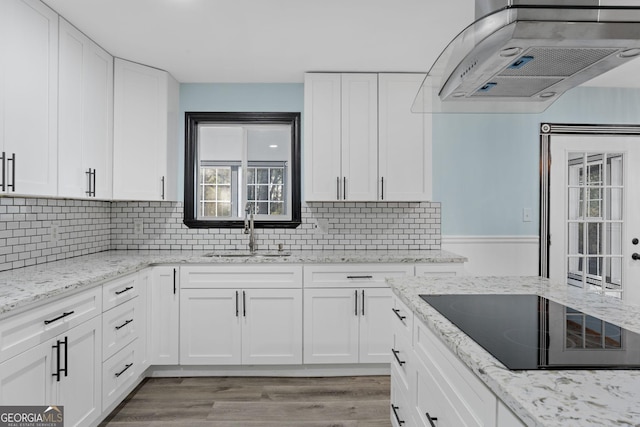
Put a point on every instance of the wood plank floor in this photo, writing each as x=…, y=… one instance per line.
x=256, y=401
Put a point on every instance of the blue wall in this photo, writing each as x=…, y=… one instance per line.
x=485, y=166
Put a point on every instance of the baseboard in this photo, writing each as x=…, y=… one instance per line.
x=270, y=371
x=496, y=255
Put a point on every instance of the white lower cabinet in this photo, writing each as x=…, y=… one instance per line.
x=346, y=312
x=65, y=370
x=164, y=318
x=253, y=323
x=432, y=387
x=347, y=325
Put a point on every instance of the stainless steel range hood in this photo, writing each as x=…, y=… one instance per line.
x=521, y=56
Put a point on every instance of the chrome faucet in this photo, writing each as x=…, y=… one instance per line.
x=249, y=227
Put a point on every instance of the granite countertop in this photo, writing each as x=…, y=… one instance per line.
x=26, y=287
x=538, y=397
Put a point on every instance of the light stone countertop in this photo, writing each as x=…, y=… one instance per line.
x=28, y=287
x=538, y=397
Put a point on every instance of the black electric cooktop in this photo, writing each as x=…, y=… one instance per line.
x=533, y=332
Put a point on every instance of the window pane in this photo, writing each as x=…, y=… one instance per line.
x=614, y=172
x=224, y=175
x=593, y=333
x=613, y=336
x=574, y=334
x=575, y=240
x=209, y=175
x=263, y=192
x=262, y=208
x=263, y=175
x=209, y=193
x=594, y=170
x=224, y=193
x=251, y=175
x=576, y=203
x=594, y=204
x=594, y=238
x=614, y=203
x=276, y=208
x=224, y=209
x=276, y=175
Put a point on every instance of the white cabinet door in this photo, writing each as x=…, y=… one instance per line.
x=164, y=316
x=404, y=140
x=359, y=137
x=210, y=327
x=29, y=93
x=322, y=134
x=98, y=119
x=144, y=142
x=28, y=378
x=341, y=136
x=80, y=387
x=25, y=379
x=272, y=326
x=331, y=326
x=85, y=116
x=376, y=338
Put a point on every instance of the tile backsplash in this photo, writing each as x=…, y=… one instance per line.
x=38, y=230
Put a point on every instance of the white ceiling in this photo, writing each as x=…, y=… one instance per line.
x=270, y=41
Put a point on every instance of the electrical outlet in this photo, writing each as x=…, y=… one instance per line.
x=321, y=226
x=526, y=215
x=54, y=233
x=138, y=227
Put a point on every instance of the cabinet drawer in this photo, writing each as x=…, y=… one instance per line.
x=118, y=373
x=25, y=330
x=241, y=276
x=475, y=404
x=400, y=409
x=402, y=364
x=401, y=320
x=119, y=290
x=354, y=275
x=443, y=269
x=119, y=327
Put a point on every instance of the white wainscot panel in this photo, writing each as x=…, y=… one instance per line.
x=496, y=255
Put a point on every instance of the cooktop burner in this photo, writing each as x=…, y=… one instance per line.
x=533, y=332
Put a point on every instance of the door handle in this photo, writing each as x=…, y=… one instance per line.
x=635, y=256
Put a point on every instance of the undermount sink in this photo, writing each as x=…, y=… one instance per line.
x=248, y=254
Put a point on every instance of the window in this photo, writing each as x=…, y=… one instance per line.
x=242, y=162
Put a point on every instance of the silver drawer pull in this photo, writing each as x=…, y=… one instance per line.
x=124, y=324
x=128, y=288
x=63, y=315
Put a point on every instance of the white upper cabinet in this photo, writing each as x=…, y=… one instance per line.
x=362, y=142
x=404, y=140
x=359, y=136
x=145, y=133
x=85, y=116
x=28, y=97
x=322, y=135
x=341, y=136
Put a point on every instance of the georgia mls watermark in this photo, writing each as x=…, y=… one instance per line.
x=31, y=416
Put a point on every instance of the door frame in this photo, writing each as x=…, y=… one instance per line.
x=547, y=131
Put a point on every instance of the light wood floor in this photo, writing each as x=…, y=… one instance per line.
x=256, y=401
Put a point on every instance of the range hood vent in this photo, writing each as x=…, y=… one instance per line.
x=522, y=57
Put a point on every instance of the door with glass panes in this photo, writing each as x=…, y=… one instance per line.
x=594, y=210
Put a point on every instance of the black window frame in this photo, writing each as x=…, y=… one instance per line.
x=194, y=119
